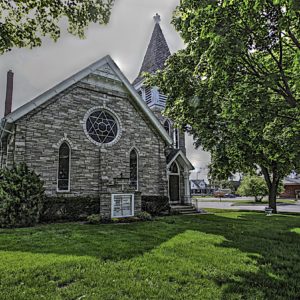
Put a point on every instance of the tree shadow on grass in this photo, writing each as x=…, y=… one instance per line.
x=269, y=241
x=275, y=249
x=106, y=241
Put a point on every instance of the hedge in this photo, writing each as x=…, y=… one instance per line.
x=69, y=208
x=155, y=205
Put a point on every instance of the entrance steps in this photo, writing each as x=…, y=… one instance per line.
x=184, y=209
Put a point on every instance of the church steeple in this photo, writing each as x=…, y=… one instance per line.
x=156, y=55
x=157, y=52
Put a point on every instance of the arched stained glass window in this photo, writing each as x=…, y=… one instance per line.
x=167, y=126
x=134, y=169
x=63, y=180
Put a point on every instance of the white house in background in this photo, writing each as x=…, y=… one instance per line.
x=200, y=187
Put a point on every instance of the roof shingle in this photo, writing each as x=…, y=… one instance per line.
x=157, y=53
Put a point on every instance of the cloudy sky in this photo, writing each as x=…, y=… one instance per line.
x=125, y=38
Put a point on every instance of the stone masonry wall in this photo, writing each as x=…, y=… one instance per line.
x=162, y=120
x=40, y=133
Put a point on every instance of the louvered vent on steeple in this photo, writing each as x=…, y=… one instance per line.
x=148, y=95
x=162, y=99
x=154, y=60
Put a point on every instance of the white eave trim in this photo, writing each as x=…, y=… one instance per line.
x=43, y=98
x=140, y=101
x=186, y=161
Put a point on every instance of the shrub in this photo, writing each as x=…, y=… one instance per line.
x=174, y=212
x=253, y=186
x=93, y=219
x=69, y=208
x=97, y=219
x=125, y=220
x=21, y=197
x=144, y=216
x=155, y=205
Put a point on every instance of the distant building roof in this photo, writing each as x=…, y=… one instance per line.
x=157, y=53
x=199, y=183
x=291, y=181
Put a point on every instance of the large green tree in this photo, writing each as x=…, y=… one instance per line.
x=237, y=83
x=23, y=23
x=253, y=186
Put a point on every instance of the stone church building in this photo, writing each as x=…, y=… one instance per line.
x=97, y=135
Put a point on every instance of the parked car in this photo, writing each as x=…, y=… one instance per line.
x=229, y=195
x=221, y=193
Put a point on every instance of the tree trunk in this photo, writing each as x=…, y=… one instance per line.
x=272, y=187
x=272, y=196
x=258, y=198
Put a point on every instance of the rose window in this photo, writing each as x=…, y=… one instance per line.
x=101, y=127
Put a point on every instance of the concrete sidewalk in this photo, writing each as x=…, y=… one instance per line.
x=229, y=205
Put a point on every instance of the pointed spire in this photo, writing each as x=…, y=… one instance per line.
x=157, y=18
x=157, y=53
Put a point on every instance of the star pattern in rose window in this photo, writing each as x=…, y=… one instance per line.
x=102, y=127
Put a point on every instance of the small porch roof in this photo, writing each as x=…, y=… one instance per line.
x=178, y=156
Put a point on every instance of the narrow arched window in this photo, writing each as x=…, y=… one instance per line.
x=141, y=93
x=176, y=138
x=134, y=169
x=63, y=179
x=174, y=168
x=167, y=126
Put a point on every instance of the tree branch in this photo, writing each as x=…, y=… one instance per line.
x=266, y=176
x=294, y=39
x=288, y=95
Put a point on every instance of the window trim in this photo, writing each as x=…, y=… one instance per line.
x=169, y=126
x=113, y=206
x=118, y=122
x=137, y=166
x=142, y=90
x=70, y=158
x=176, y=137
x=179, y=180
x=178, y=169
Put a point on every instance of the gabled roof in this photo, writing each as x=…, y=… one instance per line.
x=157, y=53
x=174, y=154
x=43, y=98
x=171, y=155
x=291, y=181
x=197, y=182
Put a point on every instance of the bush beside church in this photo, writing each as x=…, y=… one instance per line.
x=23, y=203
x=21, y=197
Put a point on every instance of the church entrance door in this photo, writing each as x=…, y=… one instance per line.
x=174, y=188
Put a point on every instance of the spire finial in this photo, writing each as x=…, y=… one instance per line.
x=157, y=18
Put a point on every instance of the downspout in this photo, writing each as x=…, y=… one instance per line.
x=100, y=182
x=3, y=130
x=2, y=126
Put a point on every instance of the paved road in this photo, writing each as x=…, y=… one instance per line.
x=283, y=207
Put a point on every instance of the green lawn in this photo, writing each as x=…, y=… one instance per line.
x=229, y=255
